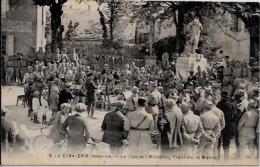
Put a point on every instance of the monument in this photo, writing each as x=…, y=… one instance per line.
x=189, y=60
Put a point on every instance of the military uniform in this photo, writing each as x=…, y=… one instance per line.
x=246, y=130
x=228, y=71
x=240, y=109
x=211, y=126
x=139, y=139
x=228, y=89
x=115, y=127
x=228, y=131
x=246, y=72
x=154, y=100
x=236, y=75
x=131, y=103
x=221, y=117
x=192, y=130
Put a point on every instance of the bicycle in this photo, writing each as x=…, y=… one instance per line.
x=43, y=143
x=61, y=147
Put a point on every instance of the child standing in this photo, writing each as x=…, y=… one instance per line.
x=36, y=106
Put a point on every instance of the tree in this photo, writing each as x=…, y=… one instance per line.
x=149, y=12
x=102, y=20
x=56, y=27
x=113, y=12
x=71, y=32
x=180, y=12
x=249, y=13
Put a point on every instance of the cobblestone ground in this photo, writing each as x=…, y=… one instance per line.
x=18, y=114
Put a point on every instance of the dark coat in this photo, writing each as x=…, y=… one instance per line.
x=113, y=127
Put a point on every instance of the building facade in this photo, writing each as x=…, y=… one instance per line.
x=22, y=27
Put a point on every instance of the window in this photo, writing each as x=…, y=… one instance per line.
x=236, y=24
x=3, y=44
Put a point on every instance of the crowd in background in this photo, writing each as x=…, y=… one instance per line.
x=154, y=105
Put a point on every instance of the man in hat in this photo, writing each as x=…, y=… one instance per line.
x=29, y=75
x=192, y=130
x=246, y=128
x=236, y=73
x=241, y=104
x=246, y=71
x=173, y=140
x=91, y=88
x=219, y=113
x=226, y=105
x=228, y=71
x=65, y=95
x=115, y=127
x=212, y=129
x=154, y=100
x=141, y=126
x=227, y=87
x=76, y=129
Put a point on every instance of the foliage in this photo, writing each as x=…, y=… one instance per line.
x=56, y=27
x=102, y=20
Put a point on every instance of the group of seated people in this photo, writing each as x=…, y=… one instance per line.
x=153, y=106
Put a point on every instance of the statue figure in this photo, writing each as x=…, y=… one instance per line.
x=165, y=60
x=75, y=57
x=193, y=34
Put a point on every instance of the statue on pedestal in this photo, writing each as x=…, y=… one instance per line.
x=193, y=35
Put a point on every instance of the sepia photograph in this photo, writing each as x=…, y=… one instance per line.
x=130, y=83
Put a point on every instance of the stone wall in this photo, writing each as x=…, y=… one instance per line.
x=232, y=42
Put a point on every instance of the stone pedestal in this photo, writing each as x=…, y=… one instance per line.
x=190, y=62
x=150, y=60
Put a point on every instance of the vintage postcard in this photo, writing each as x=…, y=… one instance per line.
x=120, y=82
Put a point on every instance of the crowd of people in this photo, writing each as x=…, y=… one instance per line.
x=154, y=108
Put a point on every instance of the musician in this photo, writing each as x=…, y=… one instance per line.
x=91, y=87
x=66, y=94
x=108, y=81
